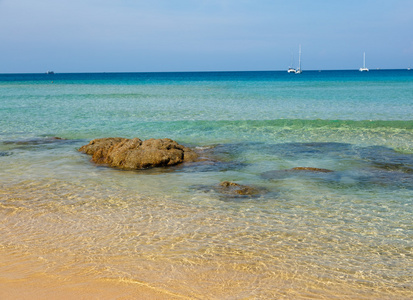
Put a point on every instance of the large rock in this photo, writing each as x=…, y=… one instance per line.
x=132, y=154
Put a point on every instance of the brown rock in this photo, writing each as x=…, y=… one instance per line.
x=312, y=169
x=227, y=187
x=136, y=154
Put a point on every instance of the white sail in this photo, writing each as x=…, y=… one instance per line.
x=364, y=69
x=299, y=61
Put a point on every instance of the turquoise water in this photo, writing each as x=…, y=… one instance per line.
x=342, y=234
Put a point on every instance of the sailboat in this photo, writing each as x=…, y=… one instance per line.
x=291, y=69
x=364, y=69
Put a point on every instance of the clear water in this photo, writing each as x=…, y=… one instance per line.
x=343, y=234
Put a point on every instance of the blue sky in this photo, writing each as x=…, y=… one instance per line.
x=201, y=35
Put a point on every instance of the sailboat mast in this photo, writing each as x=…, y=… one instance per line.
x=364, y=69
x=364, y=60
x=299, y=58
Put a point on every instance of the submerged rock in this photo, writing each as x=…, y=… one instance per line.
x=229, y=191
x=5, y=153
x=35, y=141
x=232, y=188
x=132, y=154
x=297, y=171
x=311, y=169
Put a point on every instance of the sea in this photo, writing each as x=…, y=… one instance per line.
x=343, y=230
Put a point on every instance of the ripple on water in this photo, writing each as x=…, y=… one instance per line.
x=206, y=247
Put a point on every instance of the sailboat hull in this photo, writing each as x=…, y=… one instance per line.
x=296, y=71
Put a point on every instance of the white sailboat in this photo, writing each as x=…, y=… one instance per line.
x=364, y=69
x=291, y=69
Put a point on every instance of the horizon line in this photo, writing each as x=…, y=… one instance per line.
x=210, y=71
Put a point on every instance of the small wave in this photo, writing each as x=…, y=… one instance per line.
x=297, y=123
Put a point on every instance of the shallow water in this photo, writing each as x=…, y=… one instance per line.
x=342, y=234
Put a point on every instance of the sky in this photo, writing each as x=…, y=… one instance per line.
x=203, y=35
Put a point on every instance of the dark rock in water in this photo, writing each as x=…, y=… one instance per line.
x=387, y=159
x=313, y=150
x=310, y=169
x=5, y=153
x=369, y=166
x=228, y=190
x=35, y=141
x=209, y=165
x=379, y=177
x=133, y=154
x=232, y=188
x=297, y=171
x=364, y=177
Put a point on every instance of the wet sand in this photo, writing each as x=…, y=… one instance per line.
x=44, y=287
x=23, y=280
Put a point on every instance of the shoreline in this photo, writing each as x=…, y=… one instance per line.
x=22, y=278
x=44, y=287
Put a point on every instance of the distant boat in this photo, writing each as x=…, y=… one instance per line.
x=291, y=69
x=364, y=69
x=49, y=72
